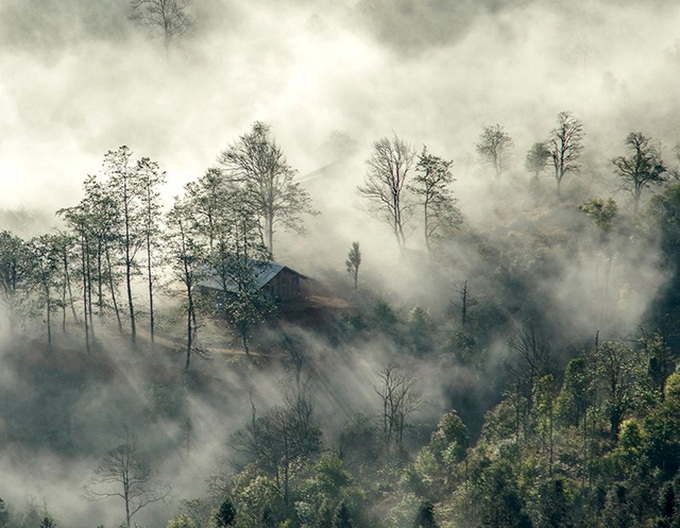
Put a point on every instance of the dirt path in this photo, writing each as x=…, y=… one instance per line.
x=175, y=344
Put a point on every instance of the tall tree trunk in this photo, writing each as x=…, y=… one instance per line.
x=128, y=266
x=88, y=271
x=67, y=276
x=150, y=282
x=84, y=273
x=100, y=282
x=128, y=282
x=112, y=289
x=190, y=329
x=49, y=321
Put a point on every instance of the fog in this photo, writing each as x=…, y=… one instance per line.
x=330, y=77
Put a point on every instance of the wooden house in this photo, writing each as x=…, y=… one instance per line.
x=279, y=283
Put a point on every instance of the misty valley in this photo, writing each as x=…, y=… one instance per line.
x=160, y=368
x=339, y=264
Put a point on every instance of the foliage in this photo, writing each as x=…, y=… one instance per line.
x=353, y=262
x=601, y=212
x=643, y=168
x=225, y=515
x=537, y=158
x=181, y=521
x=431, y=184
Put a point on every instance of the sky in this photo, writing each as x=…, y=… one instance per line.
x=80, y=79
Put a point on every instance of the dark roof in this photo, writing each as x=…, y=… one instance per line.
x=265, y=272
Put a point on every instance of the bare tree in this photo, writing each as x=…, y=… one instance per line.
x=257, y=165
x=165, y=19
x=399, y=400
x=384, y=187
x=278, y=441
x=565, y=145
x=126, y=474
x=643, y=168
x=531, y=360
x=353, y=262
x=493, y=146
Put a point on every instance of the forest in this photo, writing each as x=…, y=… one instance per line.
x=486, y=329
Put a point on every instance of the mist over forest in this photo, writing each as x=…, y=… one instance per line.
x=507, y=357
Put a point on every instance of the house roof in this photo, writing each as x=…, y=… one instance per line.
x=264, y=271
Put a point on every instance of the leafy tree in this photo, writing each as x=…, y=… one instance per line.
x=662, y=430
x=552, y=503
x=431, y=184
x=422, y=331
x=237, y=261
x=661, y=363
x=76, y=218
x=565, y=145
x=545, y=410
x=201, y=510
x=65, y=245
x=493, y=146
x=343, y=518
x=208, y=197
x=643, y=168
x=325, y=493
x=165, y=19
x=501, y=502
x=667, y=506
x=576, y=394
x=101, y=218
x=531, y=361
x=124, y=473
x=257, y=165
x=618, y=370
x=278, y=442
x=360, y=444
x=617, y=510
x=181, y=521
x=15, y=267
x=537, y=158
x=353, y=262
x=187, y=255
x=384, y=189
x=48, y=522
x=448, y=447
x=225, y=515
x=425, y=516
x=124, y=185
x=45, y=265
x=150, y=180
x=601, y=212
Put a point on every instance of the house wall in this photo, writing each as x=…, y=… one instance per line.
x=285, y=286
